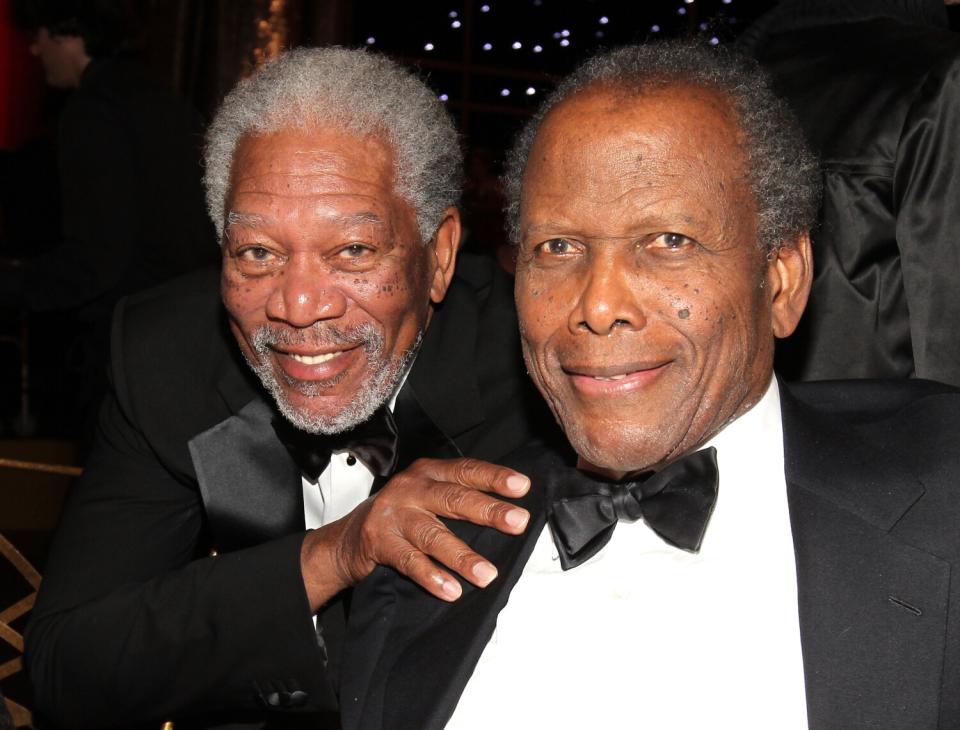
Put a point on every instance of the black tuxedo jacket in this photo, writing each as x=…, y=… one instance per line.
x=872, y=477
x=134, y=623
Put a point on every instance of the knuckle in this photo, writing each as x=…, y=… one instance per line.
x=493, y=510
x=428, y=534
x=422, y=464
x=454, y=499
x=469, y=471
x=463, y=560
x=406, y=560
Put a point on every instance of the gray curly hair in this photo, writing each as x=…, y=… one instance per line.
x=351, y=89
x=783, y=173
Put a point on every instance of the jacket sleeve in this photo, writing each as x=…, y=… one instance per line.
x=927, y=199
x=131, y=627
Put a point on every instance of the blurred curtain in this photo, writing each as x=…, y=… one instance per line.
x=202, y=47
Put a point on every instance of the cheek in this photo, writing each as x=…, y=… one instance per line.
x=539, y=308
x=244, y=298
x=396, y=295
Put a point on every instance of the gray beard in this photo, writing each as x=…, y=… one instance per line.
x=383, y=376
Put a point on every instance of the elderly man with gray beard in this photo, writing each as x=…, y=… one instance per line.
x=203, y=566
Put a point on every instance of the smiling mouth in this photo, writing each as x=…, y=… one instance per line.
x=615, y=380
x=315, y=359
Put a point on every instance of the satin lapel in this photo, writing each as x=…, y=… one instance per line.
x=443, y=376
x=250, y=485
x=872, y=609
x=410, y=655
x=419, y=436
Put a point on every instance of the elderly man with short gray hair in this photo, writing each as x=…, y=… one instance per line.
x=203, y=566
x=793, y=554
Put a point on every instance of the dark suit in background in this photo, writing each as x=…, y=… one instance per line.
x=876, y=87
x=133, y=210
x=872, y=478
x=187, y=459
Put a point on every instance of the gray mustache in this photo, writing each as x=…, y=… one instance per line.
x=318, y=335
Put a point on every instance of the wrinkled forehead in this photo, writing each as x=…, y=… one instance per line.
x=682, y=118
x=679, y=142
x=310, y=152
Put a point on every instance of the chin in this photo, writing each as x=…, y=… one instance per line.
x=618, y=449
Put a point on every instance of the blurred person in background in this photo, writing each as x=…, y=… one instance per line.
x=132, y=203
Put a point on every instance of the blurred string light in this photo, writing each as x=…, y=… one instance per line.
x=562, y=36
x=271, y=32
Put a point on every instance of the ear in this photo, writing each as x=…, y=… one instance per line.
x=789, y=276
x=446, y=242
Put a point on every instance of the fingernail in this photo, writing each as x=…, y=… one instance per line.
x=517, y=518
x=517, y=483
x=451, y=589
x=485, y=572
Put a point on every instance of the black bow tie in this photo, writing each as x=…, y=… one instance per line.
x=373, y=442
x=676, y=502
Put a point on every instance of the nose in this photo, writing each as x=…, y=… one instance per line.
x=305, y=294
x=609, y=297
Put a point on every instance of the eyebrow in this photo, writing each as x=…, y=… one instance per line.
x=244, y=219
x=546, y=226
x=366, y=216
x=235, y=218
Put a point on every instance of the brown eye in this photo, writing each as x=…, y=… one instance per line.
x=556, y=247
x=674, y=240
x=355, y=251
x=257, y=254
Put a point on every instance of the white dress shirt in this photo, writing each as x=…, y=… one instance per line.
x=344, y=484
x=647, y=635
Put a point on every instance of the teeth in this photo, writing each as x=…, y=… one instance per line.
x=612, y=377
x=315, y=359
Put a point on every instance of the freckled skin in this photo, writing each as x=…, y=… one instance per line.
x=648, y=200
x=320, y=237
